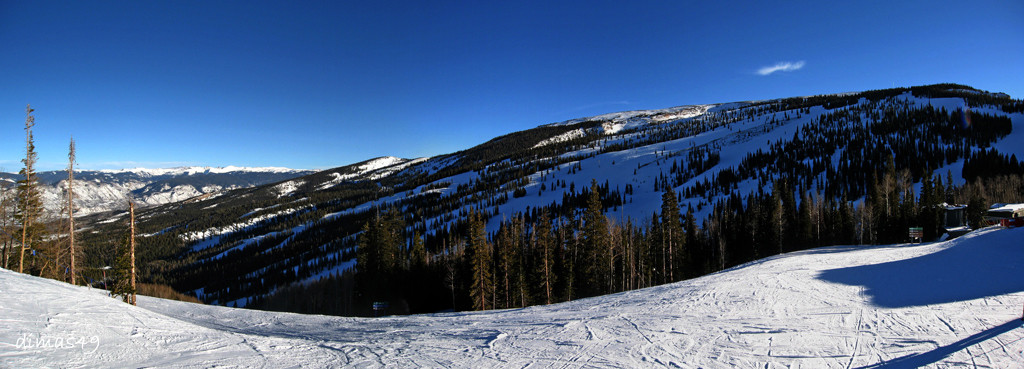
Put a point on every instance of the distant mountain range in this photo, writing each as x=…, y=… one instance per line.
x=105, y=190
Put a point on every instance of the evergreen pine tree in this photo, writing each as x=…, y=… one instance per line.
x=124, y=263
x=908, y=210
x=479, y=250
x=503, y=255
x=597, y=252
x=789, y=228
x=929, y=210
x=417, y=254
x=377, y=255
x=951, y=193
x=847, y=223
x=544, y=241
x=519, y=259
x=699, y=257
x=933, y=218
x=776, y=220
x=875, y=208
x=120, y=285
x=892, y=199
x=657, y=253
x=672, y=233
x=976, y=208
x=804, y=233
x=6, y=224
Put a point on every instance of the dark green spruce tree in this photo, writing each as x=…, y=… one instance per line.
x=672, y=235
x=378, y=255
x=479, y=252
x=598, y=249
x=544, y=244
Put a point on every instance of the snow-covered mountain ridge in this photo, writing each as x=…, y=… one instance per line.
x=177, y=171
x=98, y=191
x=656, y=115
x=948, y=304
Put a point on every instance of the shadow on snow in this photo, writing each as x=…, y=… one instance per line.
x=991, y=264
x=939, y=353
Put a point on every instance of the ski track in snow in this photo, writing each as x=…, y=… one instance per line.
x=823, y=308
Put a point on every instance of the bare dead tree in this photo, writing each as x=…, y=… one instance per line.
x=28, y=193
x=131, y=250
x=5, y=224
x=71, y=206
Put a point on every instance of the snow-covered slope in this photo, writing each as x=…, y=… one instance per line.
x=372, y=169
x=949, y=304
x=659, y=115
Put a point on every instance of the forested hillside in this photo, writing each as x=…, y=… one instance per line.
x=589, y=206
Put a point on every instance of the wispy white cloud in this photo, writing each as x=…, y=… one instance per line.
x=781, y=67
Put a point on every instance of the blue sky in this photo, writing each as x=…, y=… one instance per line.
x=319, y=84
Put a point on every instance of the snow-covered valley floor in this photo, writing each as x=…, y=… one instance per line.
x=949, y=304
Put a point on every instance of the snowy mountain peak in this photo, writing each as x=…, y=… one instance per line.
x=378, y=163
x=372, y=169
x=191, y=170
x=656, y=115
x=613, y=123
x=103, y=190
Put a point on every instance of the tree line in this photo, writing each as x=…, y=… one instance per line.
x=555, y=258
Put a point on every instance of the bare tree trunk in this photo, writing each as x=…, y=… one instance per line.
x=632, y=258
x=3, y=225
x=24, y=232
x=664, y=257
x=131, y=249
x=71, y=206
x=613, y=240
x=449, y=269
x=671, y=262
x=547, y=273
